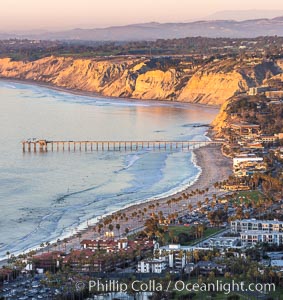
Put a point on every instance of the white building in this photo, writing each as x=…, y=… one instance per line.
x=176, y=255
x=151, y=266
x=243, y=159
x=252, y=237
x=224, y=242
x=256, y=225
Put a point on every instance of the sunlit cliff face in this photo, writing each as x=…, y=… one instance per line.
x=210, y=84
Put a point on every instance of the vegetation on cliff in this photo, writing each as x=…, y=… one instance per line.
x=250, y=109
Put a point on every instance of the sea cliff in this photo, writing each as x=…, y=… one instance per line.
x=143, y=78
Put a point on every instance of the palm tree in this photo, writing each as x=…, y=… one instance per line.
x=199, y=204
x=118, y=226
x=8, y=256
x=47, y=245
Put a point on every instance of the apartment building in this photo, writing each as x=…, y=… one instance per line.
x=269, y=226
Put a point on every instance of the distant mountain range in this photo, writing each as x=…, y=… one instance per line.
x=242, y=15
x=153, y=31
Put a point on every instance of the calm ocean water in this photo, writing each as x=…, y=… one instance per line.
x=46, y=196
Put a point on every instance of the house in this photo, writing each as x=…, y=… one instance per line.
x=189, y=268
x=205, y=267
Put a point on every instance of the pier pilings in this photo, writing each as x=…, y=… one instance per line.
x=45, y=145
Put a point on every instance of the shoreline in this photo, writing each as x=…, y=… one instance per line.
x=198, y=160
x=101, y=97
x=214, y=167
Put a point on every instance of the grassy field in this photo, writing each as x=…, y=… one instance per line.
x=248, y=197
x=175, y=231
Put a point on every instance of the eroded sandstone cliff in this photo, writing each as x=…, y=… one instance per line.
x=158, y=78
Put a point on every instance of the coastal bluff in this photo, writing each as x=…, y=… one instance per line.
x=163, y=78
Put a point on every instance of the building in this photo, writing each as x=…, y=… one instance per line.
x=274, y=94
x=257, y=90
x=151, y=266
x=224, y=242
x=97, y=245
x=256, y=225
x=268, y=138
x=246, y=165
x=174, y=255
x=189, y=268
x=114, y=246
x=246, y=129
x=48, y=261
x=252, y=237
x=277, y=264
x=246, y=158
x=205, y=267
x=87, y=261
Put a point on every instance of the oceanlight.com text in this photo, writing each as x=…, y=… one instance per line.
x=106, y=286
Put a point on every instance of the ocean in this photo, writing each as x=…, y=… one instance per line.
x=45, y=196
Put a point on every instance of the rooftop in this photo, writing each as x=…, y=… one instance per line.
x=245, y=125
x=275, y=222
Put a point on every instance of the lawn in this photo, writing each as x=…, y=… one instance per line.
x=249, y=196
x=175, y=231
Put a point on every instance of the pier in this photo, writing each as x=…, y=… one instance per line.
x=45, y=145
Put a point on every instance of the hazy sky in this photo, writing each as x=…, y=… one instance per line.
x=41, y=14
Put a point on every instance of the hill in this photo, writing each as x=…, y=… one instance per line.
x=154, y=31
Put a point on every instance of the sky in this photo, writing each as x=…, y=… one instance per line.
x=67, y=14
